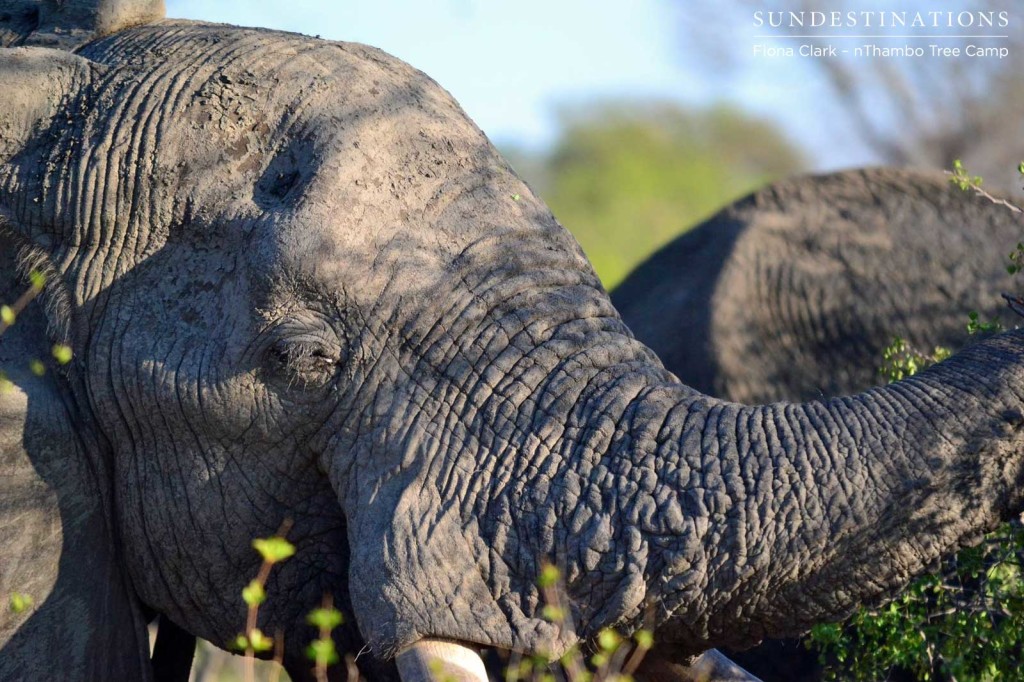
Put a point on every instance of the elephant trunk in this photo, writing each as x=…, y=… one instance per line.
x=733, y=523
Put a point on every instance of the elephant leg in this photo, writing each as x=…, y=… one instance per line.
x=172, y=653
x=710, y=666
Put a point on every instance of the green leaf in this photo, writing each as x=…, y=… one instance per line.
x=273, y=549
x=549, y=576
x=553, y=614
x=20, y=602
x=37, y=367
x=322, y=651
x=325, y=619
x=259, y=641
x=7, y=315
x=644, y=639
x=609, y=640
x=239, y=643
x=254, y=594
x=62, y=353
x=965, y=622
x=38, y=280
x=521, y=672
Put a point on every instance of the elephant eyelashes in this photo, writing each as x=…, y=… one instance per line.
x=303, y=363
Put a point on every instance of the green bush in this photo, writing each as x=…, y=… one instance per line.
x=964, y=622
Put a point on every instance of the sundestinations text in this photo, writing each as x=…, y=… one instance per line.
x=881, y=19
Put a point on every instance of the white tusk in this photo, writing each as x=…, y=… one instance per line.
x=434, y=660
x=710, y=666
x=713, y=665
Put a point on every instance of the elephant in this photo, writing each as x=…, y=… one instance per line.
x=292, y=281
x=794, y=292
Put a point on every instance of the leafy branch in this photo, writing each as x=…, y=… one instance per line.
x=322, y=650
x=273, y=550
x=9, y=315
x=615, y=659
x=965, y=181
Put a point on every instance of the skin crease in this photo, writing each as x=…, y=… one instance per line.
x=300, y=283
x=794, y=292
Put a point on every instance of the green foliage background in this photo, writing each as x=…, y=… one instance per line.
x=627, y=177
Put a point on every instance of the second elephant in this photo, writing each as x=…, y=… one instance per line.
x=794, y=292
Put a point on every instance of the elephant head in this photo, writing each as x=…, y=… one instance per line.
x=299, y=283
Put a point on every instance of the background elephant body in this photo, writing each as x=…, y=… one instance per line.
x=299, y=283
x=794, y=292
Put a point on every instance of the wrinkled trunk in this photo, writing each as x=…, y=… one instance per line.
x=744, y=522
x=723, y=522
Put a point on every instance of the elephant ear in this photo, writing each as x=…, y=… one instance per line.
x=39, y=84
x=67, y=24
x=76, y=615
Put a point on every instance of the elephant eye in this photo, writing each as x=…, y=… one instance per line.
x=303, y=363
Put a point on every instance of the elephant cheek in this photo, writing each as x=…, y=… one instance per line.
x=418, y=572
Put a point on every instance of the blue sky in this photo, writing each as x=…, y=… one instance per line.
x=510, y=63
x=507, y=63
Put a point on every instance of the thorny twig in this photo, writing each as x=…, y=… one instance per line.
x=251, y=632
x=1016, y=303
x=278, y=656
x=325, y=632
x=995, y=200
x=22, y=303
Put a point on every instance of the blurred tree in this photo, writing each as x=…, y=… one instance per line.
x=626, y=177
x=924, y=111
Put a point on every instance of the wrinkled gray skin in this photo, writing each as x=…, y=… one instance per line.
x=300, y=283
x=794, y=292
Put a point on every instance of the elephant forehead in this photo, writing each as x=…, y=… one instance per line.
x=339, y=148
x=231, y=77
